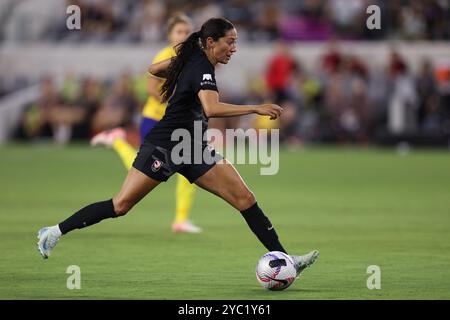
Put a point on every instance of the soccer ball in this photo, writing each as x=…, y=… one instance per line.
x=276, y=270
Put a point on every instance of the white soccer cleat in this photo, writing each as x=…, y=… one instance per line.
x=107, y=138
x=186, y=226
x=305, y=261
x=48, y=237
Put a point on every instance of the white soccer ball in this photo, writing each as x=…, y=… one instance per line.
x=276, y=270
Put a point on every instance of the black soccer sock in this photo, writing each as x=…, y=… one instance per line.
x=88, y=216
x=262, y=228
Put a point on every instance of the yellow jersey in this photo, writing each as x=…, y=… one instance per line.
x=154, y=109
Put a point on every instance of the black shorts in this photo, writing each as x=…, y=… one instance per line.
x=155, y=162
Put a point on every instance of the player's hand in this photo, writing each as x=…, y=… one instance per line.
x=268, y=109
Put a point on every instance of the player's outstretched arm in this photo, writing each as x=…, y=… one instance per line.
x=215, y=109
x=159, y=69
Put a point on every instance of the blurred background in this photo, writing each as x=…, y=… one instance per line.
x=339, y=82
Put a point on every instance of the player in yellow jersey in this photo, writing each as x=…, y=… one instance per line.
x=178, y=29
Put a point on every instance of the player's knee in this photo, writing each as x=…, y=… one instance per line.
x=245, y=200
x=122, y=207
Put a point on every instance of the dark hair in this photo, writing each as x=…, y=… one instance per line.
x=214, y=28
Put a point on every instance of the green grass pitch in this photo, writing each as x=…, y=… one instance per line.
x=359, y=208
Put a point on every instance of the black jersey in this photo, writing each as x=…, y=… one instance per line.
x=184, y=107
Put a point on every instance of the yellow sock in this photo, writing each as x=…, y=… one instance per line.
x=126, y=152
x=184, y=198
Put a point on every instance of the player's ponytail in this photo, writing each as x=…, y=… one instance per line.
x=184, y=50
x=214, y=28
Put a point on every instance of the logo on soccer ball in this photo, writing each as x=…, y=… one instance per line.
x=156, y=165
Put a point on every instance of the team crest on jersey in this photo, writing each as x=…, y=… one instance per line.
x=156, y=165
x=207, y=76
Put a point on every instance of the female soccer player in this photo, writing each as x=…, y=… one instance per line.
x=178, y=29
x=192, y=95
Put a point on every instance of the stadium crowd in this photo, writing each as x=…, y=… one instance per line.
x=343, y=101
x=257, y=20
